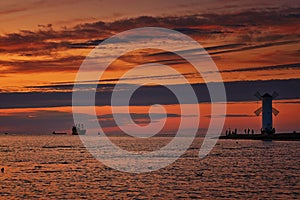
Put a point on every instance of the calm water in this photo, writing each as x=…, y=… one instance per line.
x=59, y=167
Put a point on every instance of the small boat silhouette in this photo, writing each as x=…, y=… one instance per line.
x=59, y=133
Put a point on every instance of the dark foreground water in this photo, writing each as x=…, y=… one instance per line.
x=59, y=167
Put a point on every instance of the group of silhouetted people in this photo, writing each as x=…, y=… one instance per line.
x=229, y=132
x=234, y=132
x=247, y=131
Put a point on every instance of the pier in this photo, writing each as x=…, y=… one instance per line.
x=278, y=136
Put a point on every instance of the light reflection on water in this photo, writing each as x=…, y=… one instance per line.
x=60, y=167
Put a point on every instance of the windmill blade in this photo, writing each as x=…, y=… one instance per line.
x=274, y=95
x=258, y=111
x=257, y=94
x=275, y=112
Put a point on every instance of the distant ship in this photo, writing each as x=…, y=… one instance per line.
x=59, y=133
x=78, y=129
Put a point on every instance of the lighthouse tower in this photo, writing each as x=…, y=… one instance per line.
x=267, y=110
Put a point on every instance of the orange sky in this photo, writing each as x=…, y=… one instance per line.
x=43, y=43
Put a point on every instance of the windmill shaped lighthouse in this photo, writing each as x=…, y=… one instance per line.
x=267, y=110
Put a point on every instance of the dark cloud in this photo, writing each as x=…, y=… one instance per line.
x=140, y=115
x=35, y=99
x=199, y=26
x=148, y=95
x=88, y=44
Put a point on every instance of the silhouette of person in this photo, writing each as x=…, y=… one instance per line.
x=235, y=131
x=245, y=131
x=252, y=131
x=248, y=131
x=2, y=169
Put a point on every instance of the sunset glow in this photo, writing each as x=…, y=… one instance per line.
x=42, y=45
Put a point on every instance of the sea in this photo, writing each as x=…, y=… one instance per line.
x=60, y=167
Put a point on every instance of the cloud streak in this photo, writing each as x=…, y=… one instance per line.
x=256, y=47
x=229, y=116
x=292, y=66
x=70, y=63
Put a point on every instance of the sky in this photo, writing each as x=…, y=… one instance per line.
x=255, y=45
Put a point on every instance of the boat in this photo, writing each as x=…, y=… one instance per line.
x=78, y=129
x=59, y=133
